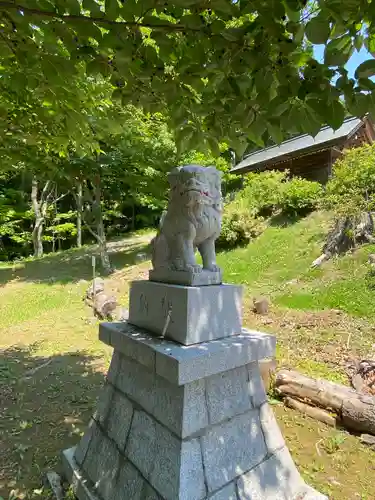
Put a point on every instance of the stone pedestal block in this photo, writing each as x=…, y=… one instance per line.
x=188, y=278
x=178, y=422
x=196, y=314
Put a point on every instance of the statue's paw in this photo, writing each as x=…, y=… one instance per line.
x=213, y=268
x=194, y=268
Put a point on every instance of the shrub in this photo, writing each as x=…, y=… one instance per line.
x=352, y=187
x=299, y=196
x=239, y=227
x=262, y=191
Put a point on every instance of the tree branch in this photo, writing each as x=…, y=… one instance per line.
x=60, y=197
x=99, y=20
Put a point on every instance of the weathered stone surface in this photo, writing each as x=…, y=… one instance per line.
x=256, y=386
x=197, y=314
x=275, y=478
x=119, y=419
x=192, y=219
x=186, y=278
x=125, y=344
x=183, y=364
x=114, y=367
x=272, y=434
x=141, y=446
x=81, y=448
x=166, y=461
x=191, y=476
x=148, y=493
x=232, y=448
x=104, y=403
x=129, y=483
x=194, y=414
x=227, y=394
x=181, y=408
x=75, y=478
x=226, y=493
x=101, y=463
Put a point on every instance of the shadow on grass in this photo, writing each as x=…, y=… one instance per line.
x=73, y=265
x=281, y=220
x=42, y=412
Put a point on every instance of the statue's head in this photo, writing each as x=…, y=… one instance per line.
x=195, y=185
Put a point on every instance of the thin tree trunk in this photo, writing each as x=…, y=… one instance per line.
x=104, y=257
x=133, y=216
x=39, y=220
x=37, y=238
x=79, y=214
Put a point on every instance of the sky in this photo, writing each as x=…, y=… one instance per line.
x=356, y=59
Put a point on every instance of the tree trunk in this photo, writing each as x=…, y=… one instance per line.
x=312, y=411
x=355, y=411
x=39, y=220
x=100, y=230
x=79, y=200
x=37, y=237
x=133, y=216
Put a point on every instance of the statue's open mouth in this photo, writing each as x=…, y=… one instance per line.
x=206, y=193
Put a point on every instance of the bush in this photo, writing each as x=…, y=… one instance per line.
x=262, y=191
x=352, y=187
x=263, y=195
x=300, y=196
x=238, y=227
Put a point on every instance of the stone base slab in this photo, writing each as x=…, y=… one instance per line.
x=181, y=364
x=212, y=438
x=187, y=278
x=187, y=314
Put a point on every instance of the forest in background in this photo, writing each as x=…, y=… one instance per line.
x=70, y=199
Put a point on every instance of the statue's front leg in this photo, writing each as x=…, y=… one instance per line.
x=207, y=251
x=184, y=255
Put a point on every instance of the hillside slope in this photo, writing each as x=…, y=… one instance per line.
x=45, y=324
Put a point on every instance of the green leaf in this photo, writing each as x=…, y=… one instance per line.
x=338, y=51
x=93, y=7
x=370, y=44
x=366, y=84
x=358, y=42
x=318, y=30
x=240, y=144
x=293, y=10
x=213, y=145
x=359, y=105
x=112, y=9
x=335, y=114
x=73, y=7
x=275, y=133
x=366, y=69
x=310, y=123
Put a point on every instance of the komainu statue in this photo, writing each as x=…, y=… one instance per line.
x=192, y=221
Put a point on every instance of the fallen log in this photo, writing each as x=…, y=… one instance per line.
x=312, y=411
x=355, y=411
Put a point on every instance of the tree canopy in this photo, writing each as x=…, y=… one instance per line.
x=223, y=70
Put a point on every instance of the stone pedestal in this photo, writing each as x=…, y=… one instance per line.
x=197, y=314
x=177, y=422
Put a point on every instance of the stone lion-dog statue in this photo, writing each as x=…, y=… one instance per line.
x=192, y=221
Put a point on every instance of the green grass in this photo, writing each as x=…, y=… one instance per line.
x=44, y=319
x=280, y=254
x=278, y=264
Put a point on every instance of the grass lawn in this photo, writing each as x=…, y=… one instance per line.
x=321, y=318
